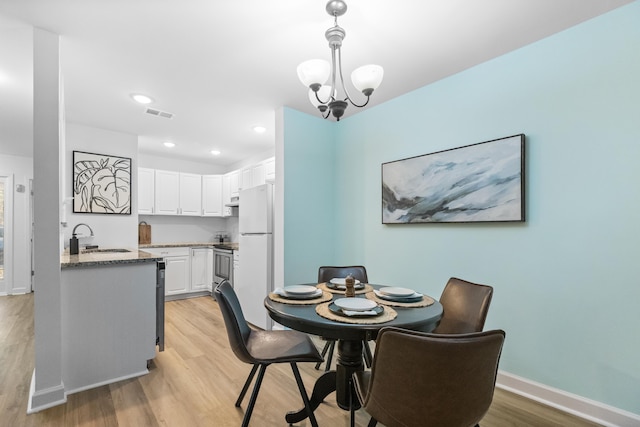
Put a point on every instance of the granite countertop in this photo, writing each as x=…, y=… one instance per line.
x=229, y=245
x=104, y=258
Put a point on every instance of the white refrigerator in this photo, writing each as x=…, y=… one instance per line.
x=255, y=273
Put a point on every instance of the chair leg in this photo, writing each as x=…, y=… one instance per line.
x=254, y=395
x=366, y=352
x=324, y=351
x=254, y=368
x=303, y=393
x=372, y=422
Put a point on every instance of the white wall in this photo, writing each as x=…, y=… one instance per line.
x=184, y=229
x=178, y=165
x=110, y=230
x=21, y=169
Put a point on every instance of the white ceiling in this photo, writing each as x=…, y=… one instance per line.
x=222, y=67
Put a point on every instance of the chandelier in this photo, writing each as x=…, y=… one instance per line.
x=316, y=72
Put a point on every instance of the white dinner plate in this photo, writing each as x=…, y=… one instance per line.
x=341, y=281
x=355, y=304
x=397, y=292
x=300, y=289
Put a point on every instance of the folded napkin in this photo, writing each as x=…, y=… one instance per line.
x=281, y=292
x=359, y=313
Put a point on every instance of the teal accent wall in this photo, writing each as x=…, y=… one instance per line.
x=567, y=281
x=309, y=186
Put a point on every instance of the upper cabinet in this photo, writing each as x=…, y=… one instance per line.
x=258, y=174
x=163, y=192
x=270, y=170
x=146, y=191
x=178, y=193
x=167, y=191
x=190, y=194
x=212, y=195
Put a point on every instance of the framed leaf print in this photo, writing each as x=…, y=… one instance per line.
x=101, y=183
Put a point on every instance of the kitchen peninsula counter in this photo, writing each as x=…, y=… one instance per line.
x=108, y=313
x=93, y=259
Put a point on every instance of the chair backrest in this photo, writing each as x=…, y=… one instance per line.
x=465, y=307
x=238, y=329
x=420, y=379
x=327, y=272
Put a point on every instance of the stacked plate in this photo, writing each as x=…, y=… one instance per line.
x=339, y=283
x=300, y=292
x=355, y=307
x=398, y=294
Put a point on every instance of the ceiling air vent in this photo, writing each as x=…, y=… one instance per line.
x=159, y=113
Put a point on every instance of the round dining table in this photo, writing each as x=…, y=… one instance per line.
x=350, y=337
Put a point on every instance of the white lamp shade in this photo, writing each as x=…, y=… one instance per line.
x=367, y=77
x=314, y=71
x=324, y=94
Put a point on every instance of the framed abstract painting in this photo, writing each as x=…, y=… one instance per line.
x=481, y=182
x=101, y=183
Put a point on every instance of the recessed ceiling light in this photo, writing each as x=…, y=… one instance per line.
x=259, y=129
x=142, y=99
x=215, y=152
x=169, y=144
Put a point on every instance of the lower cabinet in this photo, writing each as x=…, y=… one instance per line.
x=186, y=269
x=177, y=274
x=201, y=269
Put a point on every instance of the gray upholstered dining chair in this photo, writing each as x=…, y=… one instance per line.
x=325, y=274
x=262, y=348
x=421, y=379
x=465, y=307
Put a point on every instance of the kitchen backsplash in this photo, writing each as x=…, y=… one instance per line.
x=170, y=229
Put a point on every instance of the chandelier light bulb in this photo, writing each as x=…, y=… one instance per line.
x=324, y=93
x=314, y=71
x=367, y=77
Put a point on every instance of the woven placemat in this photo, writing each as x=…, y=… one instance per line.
x=426, y=301
x=326, y=296
x=325, y=288
x=387, y=315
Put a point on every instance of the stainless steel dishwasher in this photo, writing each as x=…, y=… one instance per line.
x=160, y=273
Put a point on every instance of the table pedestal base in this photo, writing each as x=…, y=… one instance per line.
x=349, y=361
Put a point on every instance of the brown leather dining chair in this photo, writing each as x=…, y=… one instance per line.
x=262, y=348
x=421, y=379
x=465, y=306
x=325, y=274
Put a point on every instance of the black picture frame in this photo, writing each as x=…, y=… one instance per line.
x=101, y=183
x=483, y=182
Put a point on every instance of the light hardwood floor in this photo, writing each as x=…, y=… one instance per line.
x=194, y=382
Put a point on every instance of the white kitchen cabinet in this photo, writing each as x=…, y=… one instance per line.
x=177, y=275
x=270, y=169
x=258, y=174
x=178, y=193
x=167, y=192
x=146, y=191
x=190, y=194
x=177, y=278
x=201, y=269
x=234, y=184
x=245, y=178
x=212, y=195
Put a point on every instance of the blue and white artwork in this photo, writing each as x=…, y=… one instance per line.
x=476, y=183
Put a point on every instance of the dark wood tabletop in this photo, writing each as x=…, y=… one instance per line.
x=305, y=319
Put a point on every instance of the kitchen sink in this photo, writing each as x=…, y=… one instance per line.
x=93, y=251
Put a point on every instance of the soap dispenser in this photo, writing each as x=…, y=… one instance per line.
x=73, y=245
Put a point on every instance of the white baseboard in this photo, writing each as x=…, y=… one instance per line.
x=579, y=406
x=112, y=380
x=44, y=399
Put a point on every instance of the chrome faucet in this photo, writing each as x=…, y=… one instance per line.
x=73, y=242
x=73, y=233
